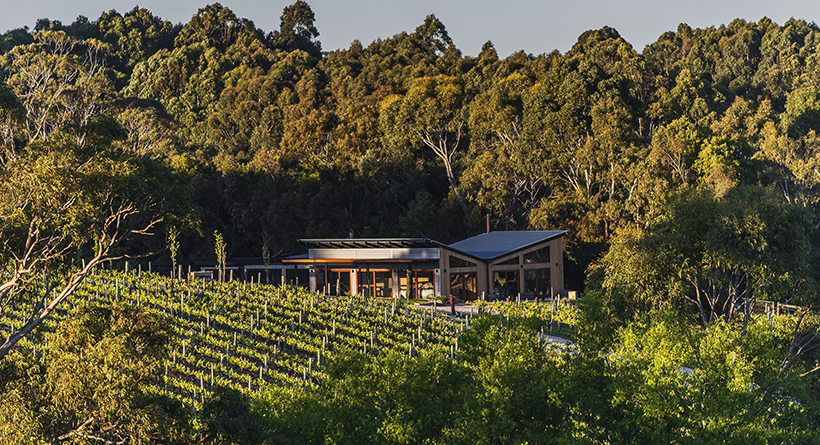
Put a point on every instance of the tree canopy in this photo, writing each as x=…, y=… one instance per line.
x=266, y=139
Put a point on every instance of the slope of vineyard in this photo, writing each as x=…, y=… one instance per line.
x=244, y=336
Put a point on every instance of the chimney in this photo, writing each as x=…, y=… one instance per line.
x=351, y=234
x=488, y=223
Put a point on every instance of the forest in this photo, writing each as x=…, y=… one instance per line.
x=274, y=140
x=687, y=176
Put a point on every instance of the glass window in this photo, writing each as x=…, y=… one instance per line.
x=364, y=279
x=298, y=277
x=383, y=281
x=530, y=281
x=375, y=283
x=464, y=286
x=417, y=284
x=426, y=284
x=541, y=255
x=537, y=283
x=458, y=262
x=505, y=283
x=510, y=261
x=339, y=281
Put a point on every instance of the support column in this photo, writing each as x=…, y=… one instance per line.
x=354, y=282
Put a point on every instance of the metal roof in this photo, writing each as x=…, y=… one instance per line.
x=489, y=246
x=370, y=243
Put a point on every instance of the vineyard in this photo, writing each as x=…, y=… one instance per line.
x=244, y=336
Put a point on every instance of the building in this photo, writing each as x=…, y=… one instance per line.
x=496, y=265
x=505, y=264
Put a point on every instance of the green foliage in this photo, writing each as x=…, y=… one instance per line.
x=173, y=246
x=271, y=141
x=712, y=252
x=69, y=190
x=590, y=141
x=503, y=388
x=134, y=37
x=711, y=384
x=296, y=31
x=59, y=80
x=495, y=381
x=226, y=419
x=517, y=392
x=92, y=381
x=221, y=254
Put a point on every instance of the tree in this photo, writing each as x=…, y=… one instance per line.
x=390, y=398
x=91, y=383
x=67, y=188
x=59, y=81
x=11, y=114
x=430, y=111
x=226, y=419
x=149, y=131
x=59, y=199
x=134, y=37
x=221, y=255
x=506, y=175
x=719, y=383
x=215, y=25
x=297, y=31
x=516, y=382
x=717, y=253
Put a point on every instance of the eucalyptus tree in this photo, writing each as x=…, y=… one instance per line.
x=92, y=382
x=67, y=187
x=63, y=203
x=297, y=30
x=58, y=80
x=431, y=114
x=714, y=255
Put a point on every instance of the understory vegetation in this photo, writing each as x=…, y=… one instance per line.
x=141, y=358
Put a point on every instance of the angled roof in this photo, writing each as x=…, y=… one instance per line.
x=369, y=243
x=489, y=246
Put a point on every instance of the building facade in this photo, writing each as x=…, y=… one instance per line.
x=494, y=265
